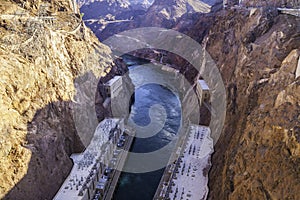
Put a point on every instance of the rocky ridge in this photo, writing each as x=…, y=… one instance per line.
x=257, y=155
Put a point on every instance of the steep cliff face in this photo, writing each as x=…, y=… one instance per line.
x=41, y=59
x=257, y=155
x=257, y=52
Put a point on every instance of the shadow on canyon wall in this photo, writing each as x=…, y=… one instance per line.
x=52, y=136
x=65, y=127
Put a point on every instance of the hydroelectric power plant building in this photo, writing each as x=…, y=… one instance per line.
x=90, y=168
x=95, y=175
x=186, y=175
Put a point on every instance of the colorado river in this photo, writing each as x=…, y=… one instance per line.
x=136, y=186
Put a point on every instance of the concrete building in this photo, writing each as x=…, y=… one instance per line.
x=203, y=91
x=89, y=171
x=187, y=177
x=113, y=87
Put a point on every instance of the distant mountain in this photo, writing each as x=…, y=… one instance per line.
x=98, y=14
x=135, y=4
x=166, y=12
x=106, y=17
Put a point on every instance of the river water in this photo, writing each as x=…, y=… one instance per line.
x=165, y=109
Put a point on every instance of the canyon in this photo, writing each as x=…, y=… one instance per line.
x=255, y=48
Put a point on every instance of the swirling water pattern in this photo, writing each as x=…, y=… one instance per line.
x=165, y=109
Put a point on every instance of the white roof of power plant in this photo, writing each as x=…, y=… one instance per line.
x=203, y=85
x=84, y=163
x=191, y=181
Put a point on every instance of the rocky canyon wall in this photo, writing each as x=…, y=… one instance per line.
x=257, y=155
x=41, y=63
